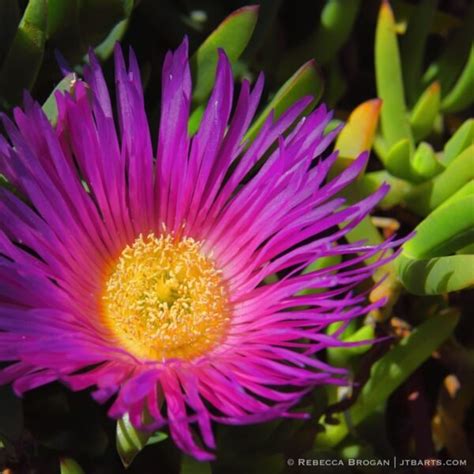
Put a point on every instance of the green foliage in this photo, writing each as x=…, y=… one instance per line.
x=232, y=35
x=131, y=441
x=389, y=372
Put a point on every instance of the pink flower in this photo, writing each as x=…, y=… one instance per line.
x=144, y=274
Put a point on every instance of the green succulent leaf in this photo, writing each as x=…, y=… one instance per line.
x=233, y=35
x=461, y=95
x=425, y=111
x=426, y=265
x=69, y=466
x=339, y=356
x=131, y=441
x=463, y=137
x=24, y=58
x=357, y=135
x=389, y=372
x=426, y=197
x=397, y=160
x=435, y=276
x=425, y=164
x=394, y=120
x=305, y=82
x=106, y=48
x=444, y=231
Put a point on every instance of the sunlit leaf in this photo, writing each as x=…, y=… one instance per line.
x=437, y=275
x=357, y=135
x=426, y=265
x=397, y=160
x=463, y=137
x=389, y=372
x=425, y=111
x=232, y=35
x=426, y=197
x=445, y=230
x=305, y=82
x=339, y=356
x=395, y=126
x=424, y=163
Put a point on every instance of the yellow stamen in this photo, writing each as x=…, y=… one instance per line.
x=165, y=299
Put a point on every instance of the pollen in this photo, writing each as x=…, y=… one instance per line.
x=164, y=299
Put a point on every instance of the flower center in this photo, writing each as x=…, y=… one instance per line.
x=165, y=299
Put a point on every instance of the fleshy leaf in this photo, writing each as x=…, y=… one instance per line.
x=398, y=160
x=425, y=111
x=426, y=197
x=130, y=441
x=463, y=137
x=389, y=372
x=106, y=48
x=69, y=466
x=357, y=135
x=339, y=356
x=425, y=265
x=445, y=230
x=23, y=60
x=233, y=35
x=461, y=95
x=425, y=164
x=305, y=82
x=435, y=276
x=395, y=126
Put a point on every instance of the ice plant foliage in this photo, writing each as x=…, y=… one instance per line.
x=143, y=274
